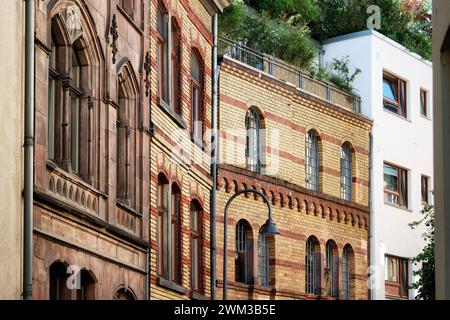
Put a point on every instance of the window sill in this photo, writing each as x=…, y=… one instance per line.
x=127, y=207
x=170, y=285
x=198, y=142
x=425, y=117
x=175, y=117
x=74, y=178
x=398, y=207
x=397, y=115
x=198, y=296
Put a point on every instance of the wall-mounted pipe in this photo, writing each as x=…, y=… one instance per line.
x=28, y=152
x=214, y=154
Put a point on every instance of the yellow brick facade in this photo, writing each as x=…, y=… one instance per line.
x=173, y=154
x=287, y=115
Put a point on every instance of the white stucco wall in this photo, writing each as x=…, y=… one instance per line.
x=11, y=155
x=407, y=143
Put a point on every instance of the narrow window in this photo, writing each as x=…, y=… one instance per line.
x=196, y=247
x=169, y=231
x=331, y=269
x=86, y=289
x=312, y=161
x=424, y=189
x=312, y=264
x=347, y=270
x=58, y=282
x=263, y=261
x=163, y=54
x=176, y=68
x=175, y=241
x=163, y=218
x=394, y=92
x=242, y=262
x=346, y=172
x=53, y=75
x=424, y=103
x=254, y=147
x=395, y=186
x=197, y=98
x=76, y=92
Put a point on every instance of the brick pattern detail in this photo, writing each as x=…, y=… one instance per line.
x=287, y=116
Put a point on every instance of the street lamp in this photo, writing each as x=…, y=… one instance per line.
x=268, y=229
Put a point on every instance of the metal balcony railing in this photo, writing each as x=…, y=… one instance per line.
x=290, y=74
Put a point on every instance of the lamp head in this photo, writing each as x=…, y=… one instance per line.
x=269, y=229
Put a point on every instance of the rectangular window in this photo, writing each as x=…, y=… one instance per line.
x=196, y=248
x=175, y=241
x=394, y=95
x=395, y=186
x=163, y=55
x=424, y=103
x=397, y=276
x=425, y=189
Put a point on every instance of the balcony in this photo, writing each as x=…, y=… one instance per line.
x=292, y=75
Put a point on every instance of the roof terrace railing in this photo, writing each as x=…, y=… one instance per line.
x=290, y=74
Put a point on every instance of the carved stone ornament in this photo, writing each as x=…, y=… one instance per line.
x=71, y=16
x=115, y=36
x=147, y=66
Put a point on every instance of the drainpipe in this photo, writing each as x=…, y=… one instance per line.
x=29, y=152
x=372, y=269
x=214, y=155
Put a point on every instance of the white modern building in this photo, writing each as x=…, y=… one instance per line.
x=396, y=90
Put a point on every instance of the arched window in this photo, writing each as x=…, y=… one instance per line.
x=58, y=282
x=83, y=284
x=312, y=161
x=169, y=60
x=313, y=267
x=332, y=269
x=86, y=289
x=254, y=141
x=346, y=172
x=347, y=270
x=70, y=110
x=196, y=247
x=126, y=139
x=123, y=294
x=243, y=253
x=169, y=230
x=197, y=98
x=163, y=228
x=263, y=260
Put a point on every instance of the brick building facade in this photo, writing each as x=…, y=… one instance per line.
x=122, y=171
x=181, y=43
x=122, y=164
x=91, y=150
x=310, y=157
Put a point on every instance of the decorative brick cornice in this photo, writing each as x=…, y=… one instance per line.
x=294, y=197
